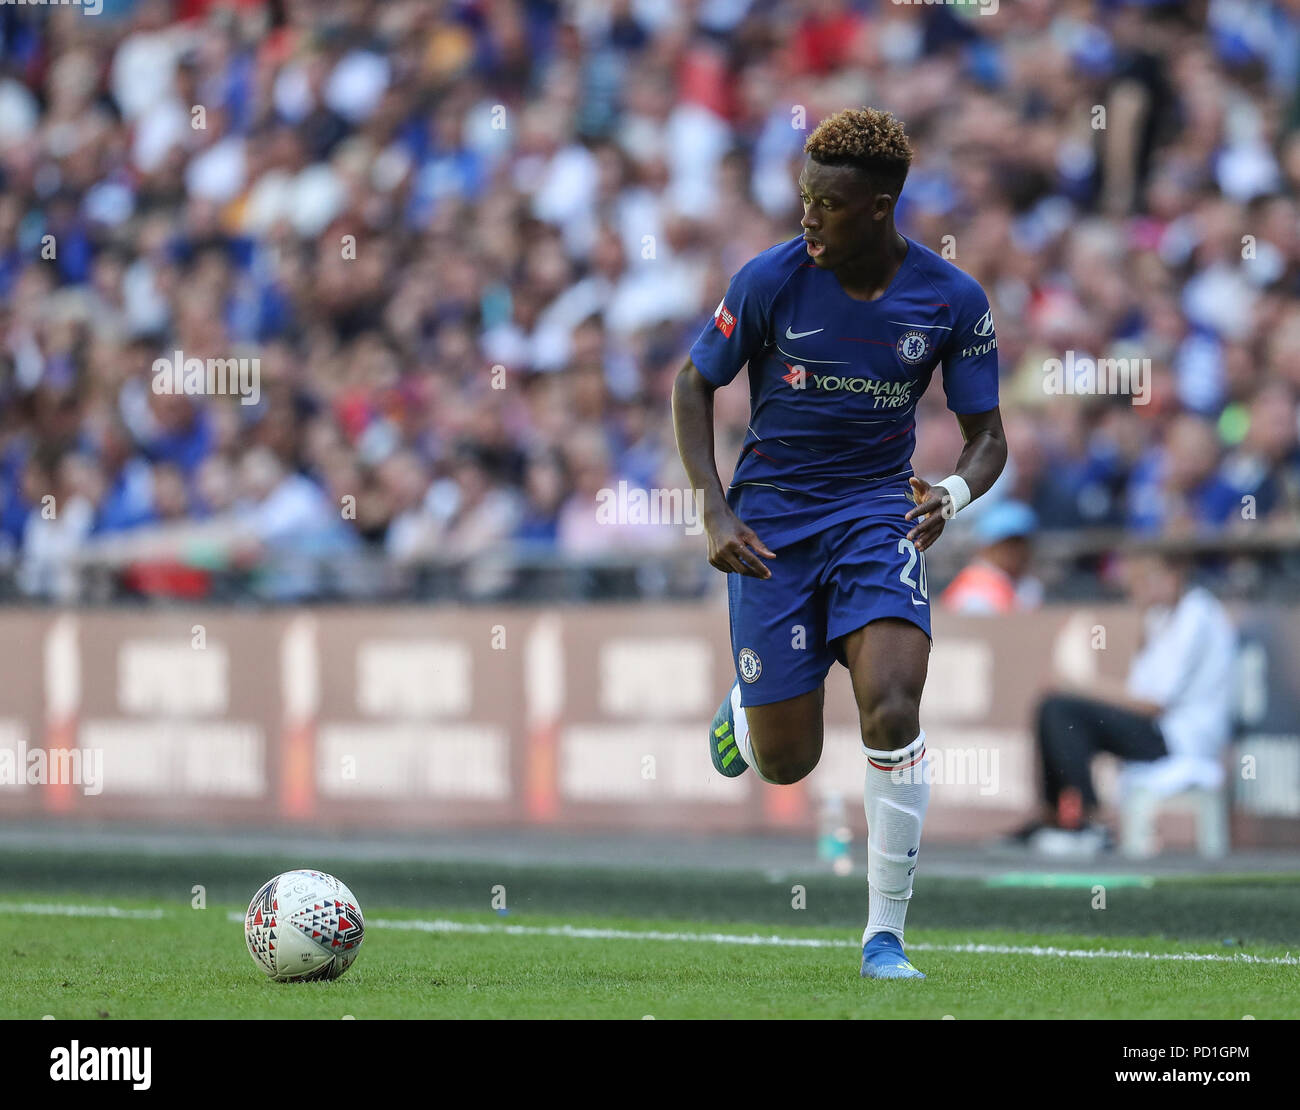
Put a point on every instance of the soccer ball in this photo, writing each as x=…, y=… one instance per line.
x=304, y=925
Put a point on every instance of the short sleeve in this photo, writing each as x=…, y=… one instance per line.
x=970, y=359
x=737, y=332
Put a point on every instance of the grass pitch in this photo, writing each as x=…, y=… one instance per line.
x=193, y=964
x=665, y=946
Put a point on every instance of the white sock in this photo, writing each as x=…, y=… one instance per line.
x=742, y=733
x=896, y=795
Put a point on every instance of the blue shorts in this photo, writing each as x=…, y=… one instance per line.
x=785, y=629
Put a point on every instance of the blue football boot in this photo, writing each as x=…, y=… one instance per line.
x=883, y=958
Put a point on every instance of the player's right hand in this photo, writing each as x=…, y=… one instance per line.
x=735, y=549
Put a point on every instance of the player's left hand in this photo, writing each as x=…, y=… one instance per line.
x=933, y=507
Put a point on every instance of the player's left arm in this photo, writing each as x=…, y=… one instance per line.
x=970, y=381
x=979, y=464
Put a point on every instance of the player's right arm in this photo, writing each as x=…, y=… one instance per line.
x=736, y=334
x=733, y=547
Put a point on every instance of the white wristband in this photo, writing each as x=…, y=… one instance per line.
x=956, y=485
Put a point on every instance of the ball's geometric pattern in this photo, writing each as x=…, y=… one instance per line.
x=304, y=926
x=260, y=926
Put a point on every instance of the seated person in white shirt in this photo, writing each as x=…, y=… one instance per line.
x=1175, y=711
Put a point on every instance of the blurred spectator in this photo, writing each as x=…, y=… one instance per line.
x=1173, y=716
x=543, y=492
x=997, y=580
x=393, y=204
x=1261, y=477
x=1172, y=485
x=475, y=512
x=292, y=526
x=63, y=504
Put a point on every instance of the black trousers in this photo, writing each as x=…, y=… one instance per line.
x=1072, y=730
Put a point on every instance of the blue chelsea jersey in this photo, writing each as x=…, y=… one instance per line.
x=834, y=382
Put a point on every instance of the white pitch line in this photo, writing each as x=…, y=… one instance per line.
x=755, y=940
x=1103, y=953
x=583, y=933
x=52, y=909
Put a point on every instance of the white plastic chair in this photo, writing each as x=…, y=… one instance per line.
x=1178, y=786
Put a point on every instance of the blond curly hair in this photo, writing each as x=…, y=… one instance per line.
x=868, y=139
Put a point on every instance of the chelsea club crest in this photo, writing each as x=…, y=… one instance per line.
x=913, y=346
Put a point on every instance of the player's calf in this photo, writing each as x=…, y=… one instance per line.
x=896, y=796
x=888, y=662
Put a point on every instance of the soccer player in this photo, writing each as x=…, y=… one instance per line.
x=823, y=530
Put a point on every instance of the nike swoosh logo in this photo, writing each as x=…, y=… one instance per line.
x=918, y=601
x=800, y=334
x=913, y=851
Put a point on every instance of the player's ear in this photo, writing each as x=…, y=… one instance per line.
x=882, y=206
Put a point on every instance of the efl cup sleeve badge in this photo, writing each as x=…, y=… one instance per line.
x=724, y=320
x=750, y=665
x=913, y=347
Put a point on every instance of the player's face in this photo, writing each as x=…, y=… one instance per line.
x=842, y=219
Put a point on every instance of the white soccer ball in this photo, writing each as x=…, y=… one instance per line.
x=304, y=925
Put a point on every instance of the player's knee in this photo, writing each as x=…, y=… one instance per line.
x=784, y=770
x=891, y=722
x=786, y=763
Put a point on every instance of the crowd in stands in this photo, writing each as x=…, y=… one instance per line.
x=469, y=243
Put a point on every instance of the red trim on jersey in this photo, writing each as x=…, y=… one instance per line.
x=902, y=433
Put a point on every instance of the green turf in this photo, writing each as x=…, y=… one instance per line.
x=191, y=963
x=1246, y=908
